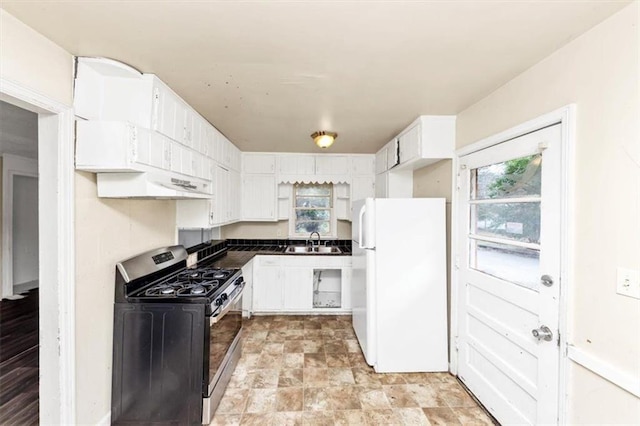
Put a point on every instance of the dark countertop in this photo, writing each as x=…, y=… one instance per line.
x=235, y=258
x=240, y=252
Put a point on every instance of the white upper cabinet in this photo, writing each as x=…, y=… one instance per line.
x=392, y=154
x=167, y=111
x=381, y=160
x=362, y=165
x=430, y=138
x=258, y=163
x=427, y=140
x=331, y=165
x=362, y=187
x=259, y=197
x=296, y=164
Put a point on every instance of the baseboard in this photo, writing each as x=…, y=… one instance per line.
x=605, y=370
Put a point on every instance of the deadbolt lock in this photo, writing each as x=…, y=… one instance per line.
x=542, y=333
x=546, y=280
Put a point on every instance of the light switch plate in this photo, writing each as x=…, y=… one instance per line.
x=628, y=282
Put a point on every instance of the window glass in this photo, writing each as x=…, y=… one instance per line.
x=515, y=264
x=513, y=221
x=312, y=209
x=515, y=178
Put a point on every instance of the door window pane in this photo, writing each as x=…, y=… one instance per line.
x=519, y=177
x=514, y=221
x=510, y=263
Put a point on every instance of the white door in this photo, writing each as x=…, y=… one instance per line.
x=508, y=258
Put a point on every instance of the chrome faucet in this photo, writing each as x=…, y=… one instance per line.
x=311, y=236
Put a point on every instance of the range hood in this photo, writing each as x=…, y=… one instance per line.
x=151, y=185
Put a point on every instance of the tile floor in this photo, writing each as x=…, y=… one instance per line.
x=299, y=370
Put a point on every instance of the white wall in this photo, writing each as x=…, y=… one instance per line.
x=34, y=62
x=106, y=231
x=598, y=72
x=25, y=229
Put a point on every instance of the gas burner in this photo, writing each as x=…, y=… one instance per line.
x=163, y=290
x=197, y=289
x=202, y=274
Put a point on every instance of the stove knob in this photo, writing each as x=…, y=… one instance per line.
x=219, y=300
x=239, y=281
x=224, y=296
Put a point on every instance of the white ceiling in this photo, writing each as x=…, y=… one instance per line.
x=269, y=73
x=18, y=131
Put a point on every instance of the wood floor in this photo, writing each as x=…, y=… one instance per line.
x=19, y=360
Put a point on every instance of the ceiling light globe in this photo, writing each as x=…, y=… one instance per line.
x=324, y=139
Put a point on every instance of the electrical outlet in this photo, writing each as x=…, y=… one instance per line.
x=628, y=282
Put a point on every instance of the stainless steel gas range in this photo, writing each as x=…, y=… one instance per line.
x=176, y=338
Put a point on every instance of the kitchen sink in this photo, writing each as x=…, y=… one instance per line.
x=312, y=250
x=298, y=249
x=325, y=249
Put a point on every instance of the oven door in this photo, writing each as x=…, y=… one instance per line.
x=223, y=342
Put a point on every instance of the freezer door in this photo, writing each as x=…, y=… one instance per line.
x=358, y=212
x=362, y=300
x=363, y=223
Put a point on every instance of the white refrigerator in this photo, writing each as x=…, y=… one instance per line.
x=399, y=283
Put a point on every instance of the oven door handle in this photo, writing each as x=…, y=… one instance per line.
x=227, y=308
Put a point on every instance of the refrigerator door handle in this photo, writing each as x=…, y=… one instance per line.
x=361, y=217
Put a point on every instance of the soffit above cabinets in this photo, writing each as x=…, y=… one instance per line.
x=267, y=74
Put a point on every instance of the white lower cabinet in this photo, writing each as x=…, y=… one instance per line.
x=297, y=288
x=302, y=284
x=267, y=289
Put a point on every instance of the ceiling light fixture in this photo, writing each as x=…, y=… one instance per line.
x=324, y=139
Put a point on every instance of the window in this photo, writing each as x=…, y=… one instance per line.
x=313, y=210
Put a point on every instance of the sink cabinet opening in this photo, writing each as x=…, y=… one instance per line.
x=327, y=288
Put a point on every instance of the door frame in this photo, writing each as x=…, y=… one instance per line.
x=566, y=117
x=56, y=194
x=12, y=165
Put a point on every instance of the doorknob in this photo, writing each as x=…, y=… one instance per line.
x=546, y=280
x=542, y=333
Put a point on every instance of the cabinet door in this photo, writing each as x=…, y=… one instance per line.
x=156, y=150
x=234, y=196
x=259, y=197
x=267, y=288
x=206, y=140
x=298, y=288
x=220, y=197
x=362, y=187
x=346, y=288
x=187, y=162
x=381, y=161
x=296, y=164
x=258, y=163
x=194, y=213
x=332, y=165
x=176, y=157
x=364, y=165
x=381, y=185
x=392, y=154
x=166, y=109
x=187, y=126
x=410, y=144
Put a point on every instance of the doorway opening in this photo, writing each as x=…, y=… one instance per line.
x=55, y=294
x=19, y=308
